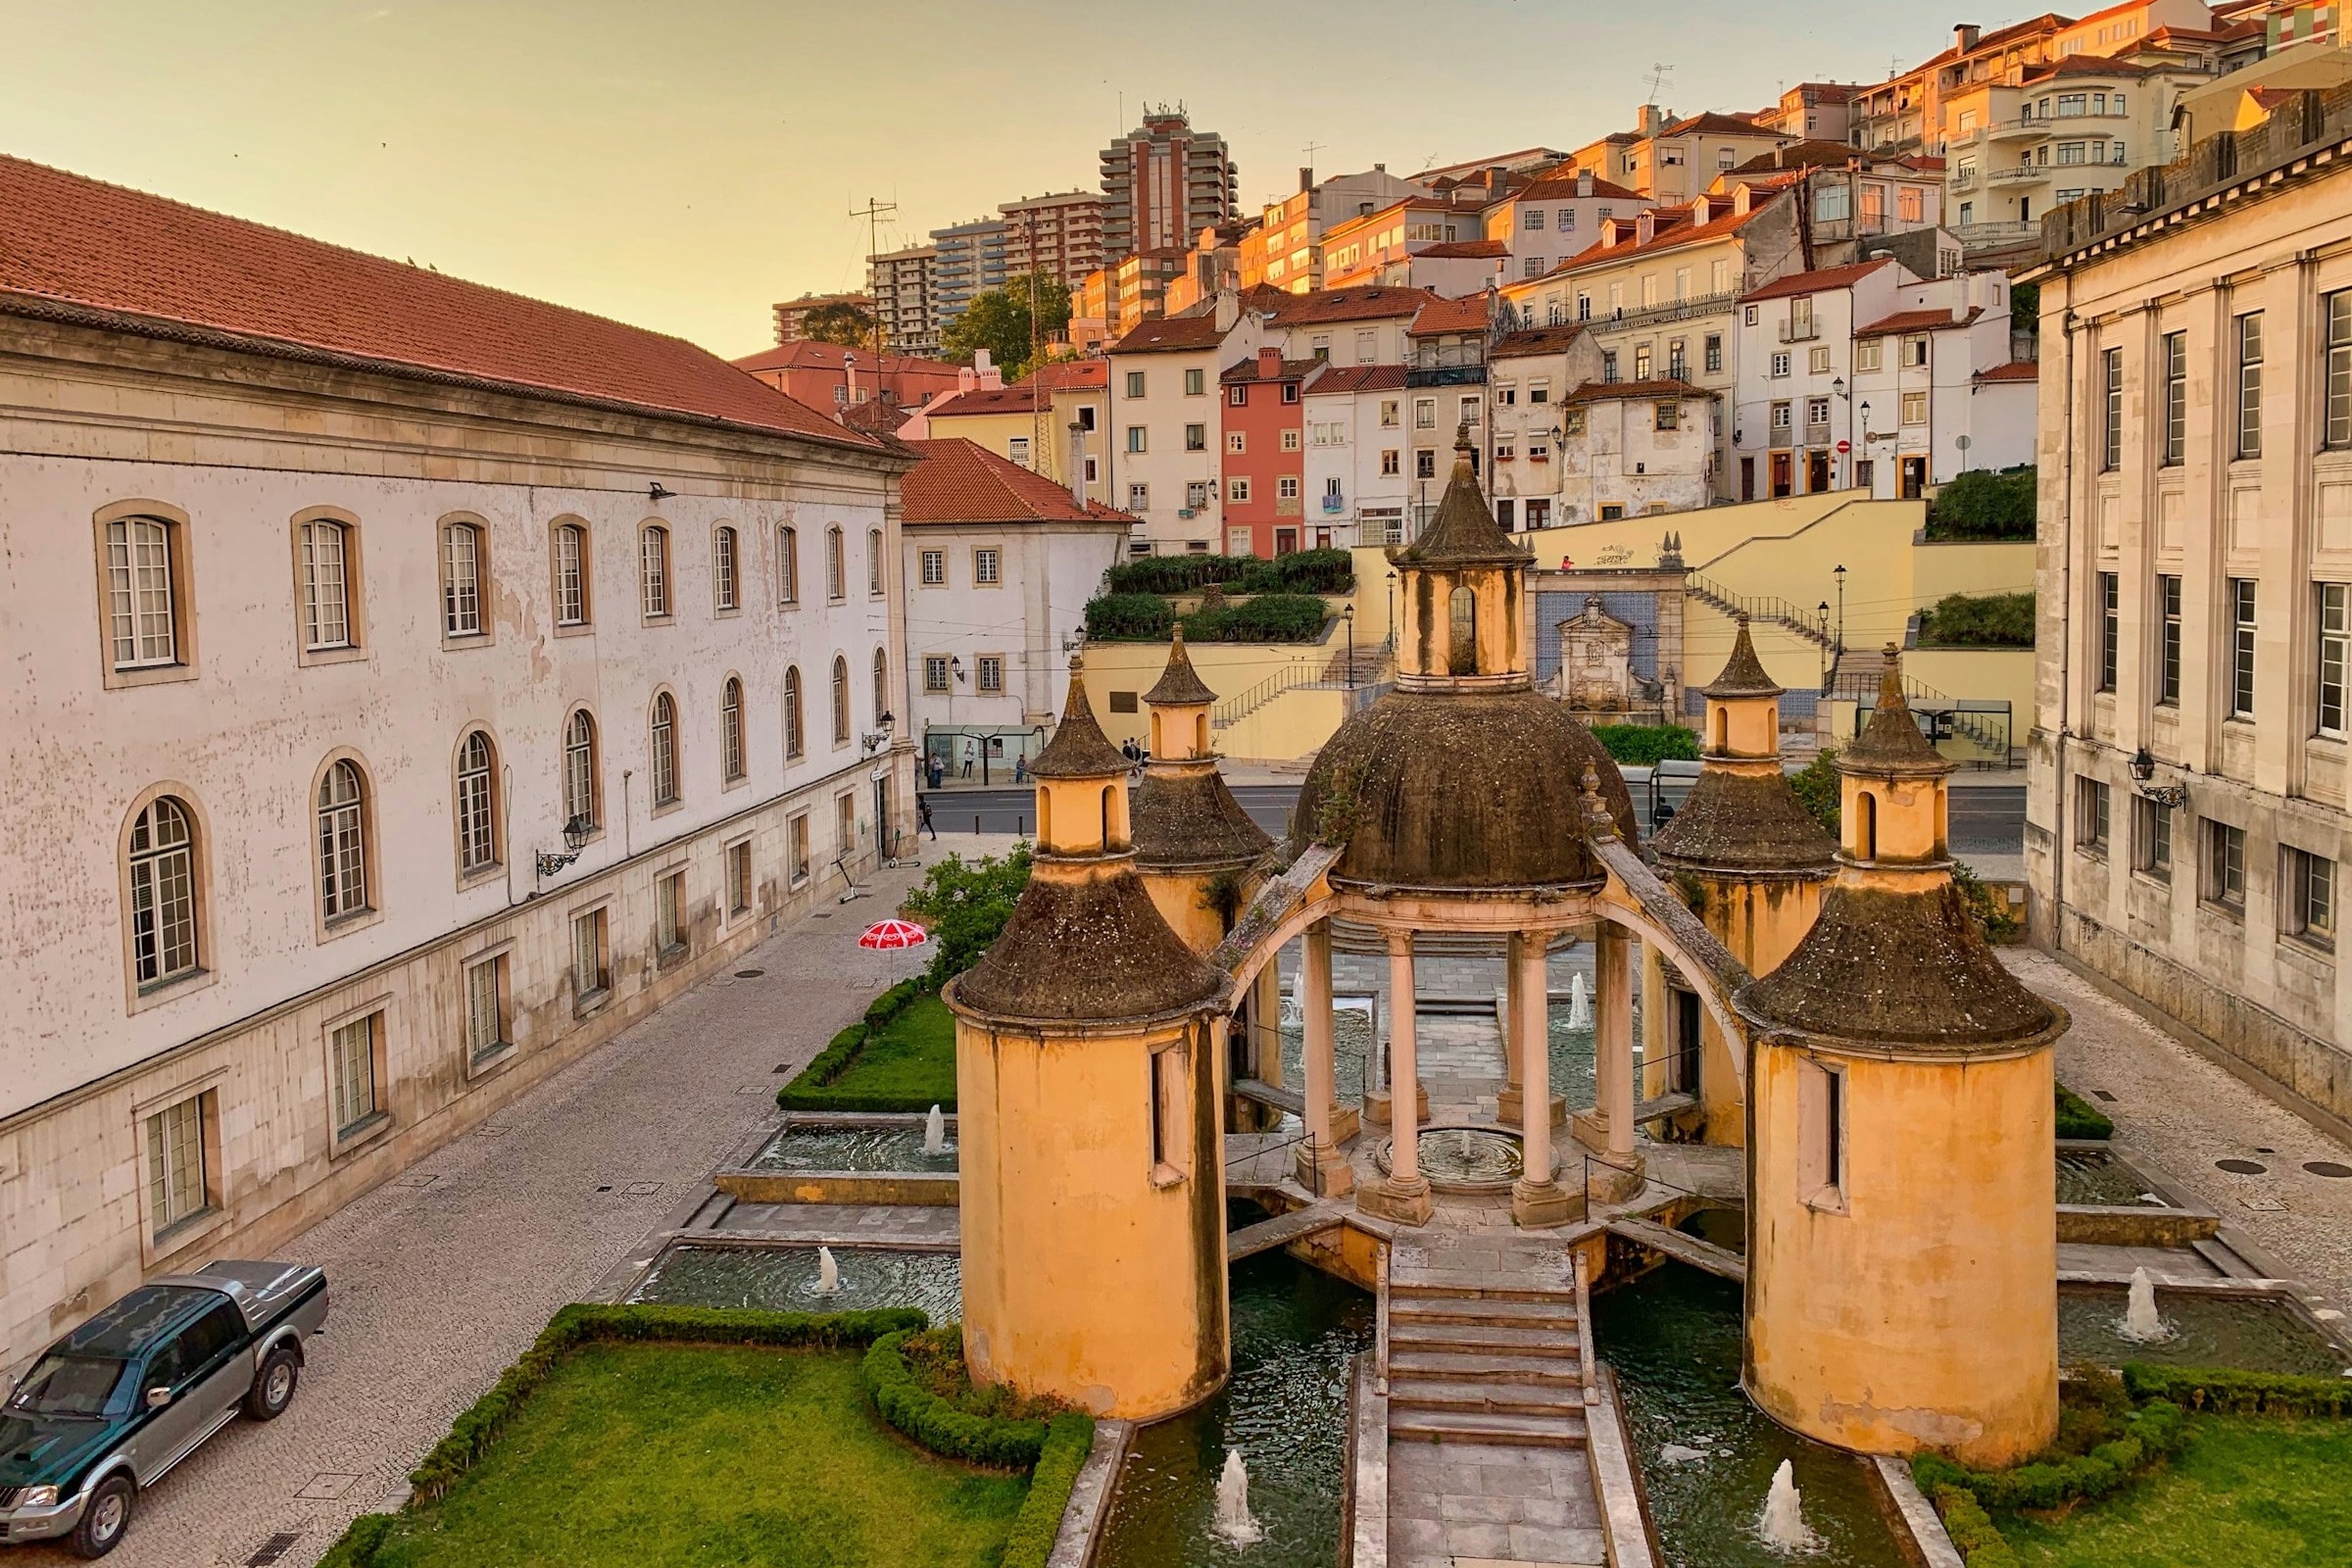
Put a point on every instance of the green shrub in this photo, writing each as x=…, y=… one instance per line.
x=2058, y=1477
x=1817, y=790
x=2080, y=1119
x=1271, y=617
x=471, y=1435
x=1069, y=1439
x=1314, y=571
x=358, y=1546
x=1135, y=618
x=936, y=1423
x=1972, y=1530
x=1987, y=908
x=1648, y=745
x=1982, y=504
x=2235, y=1393
x=965, y=905
x=1978, y=621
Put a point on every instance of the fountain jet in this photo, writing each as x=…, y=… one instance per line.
x=1235, y=1524
x=935, y=1132
x=828, y=1273
x=1782, y=1521
x=1580, y=1003
x=2142, y=1323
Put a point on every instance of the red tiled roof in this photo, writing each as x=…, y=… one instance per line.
x=812, y=353
x=1167, y=334
x=1715, y=125
x=2014, y=371
x=1069, y=375
x=1371, y=302
x=1816, y=282
x=1469, y=313
x=1534, y=340
x=1815, y=152
x=1626, y=391
x=963, y=481
x=1357, y=378
x=1022, y=399
x=1560, y=182
x=2084, y=65
x=1291, y=371
x=1683, y=234
x=1917, y=322
x=71, y=245
x=1465, y=250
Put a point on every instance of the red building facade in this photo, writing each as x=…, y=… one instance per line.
x=1264, y=427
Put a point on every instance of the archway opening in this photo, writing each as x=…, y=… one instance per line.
x=1461, y=643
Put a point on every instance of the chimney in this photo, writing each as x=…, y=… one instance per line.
x=966, y=378
x=1648, y=121
x=1228, y=308
x=1078, y=463
x=1965, y=37
x=1380, y=169
x=1269, y=363
x=1307, y=179
x=1583, y=182
x=849, y=366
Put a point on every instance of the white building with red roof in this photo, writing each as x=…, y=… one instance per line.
x=1164, y=439
x=411, y=684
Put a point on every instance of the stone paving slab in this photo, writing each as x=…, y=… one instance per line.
x=1457, y=1502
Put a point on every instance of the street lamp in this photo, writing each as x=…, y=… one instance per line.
x=1348, y=615
x=1873, y=470
x=1840, y=574
x=1824, y=642
x=577, y=833
x=1391, y=604
x=2143, y=768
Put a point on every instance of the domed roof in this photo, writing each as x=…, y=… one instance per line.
x=1185, y=816
x=1744, y=822
x=1461, y=789
x=1088, y=950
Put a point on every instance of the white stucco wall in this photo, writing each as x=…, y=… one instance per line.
x=1029, y=618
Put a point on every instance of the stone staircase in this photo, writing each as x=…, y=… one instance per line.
x=1490, y=1364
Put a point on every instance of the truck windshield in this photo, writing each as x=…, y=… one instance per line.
x=75, y=1386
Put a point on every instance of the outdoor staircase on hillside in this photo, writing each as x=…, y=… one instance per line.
x=1369, y=665
x=1855, y=674
x=1494, y=1364
x=1795, y=619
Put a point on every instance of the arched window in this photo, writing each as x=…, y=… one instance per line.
x=788, y=566
x=730, y=729
x=841, y=700
x=881, y=686
x=796, y=734
x=1723, y=730
x=162, y=893
x=873, y=561
x=477, y=811
x=325, y=584
x=722, y=568
x=342, y=842
x=461, y=579
x=654, y=570
x=143, y=618
x=837, y=568
x=1107, y=793
x=664, y=750
x=580, y=770
x=1866, y=825
x=572, y=575
x=1462, y=641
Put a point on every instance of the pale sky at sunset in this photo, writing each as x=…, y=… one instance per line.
x=682, y=165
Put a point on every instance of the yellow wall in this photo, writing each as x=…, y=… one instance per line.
x=1998, y=675
x=1181, y=902
x=1926, y=1314
x=1086, y=1277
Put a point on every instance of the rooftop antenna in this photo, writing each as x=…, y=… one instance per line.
x=1313, y=148
x=1659, y=70
x=873, y=212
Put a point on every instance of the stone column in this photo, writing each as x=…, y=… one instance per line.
x=1527, y=1027
x=1403, y=1195
x=1617, y=1175
x=1510, y=1106
x=1322, y=1167
x=1265, y=1022
x=1536, y=1198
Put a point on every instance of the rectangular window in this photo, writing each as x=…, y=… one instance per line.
x=2335, y=643
x=2168, y=651
x=2310, y=898
x=1236, y=442
x=1286, y=488
x=1238, y=396
x=935, y=672
x=992, y=673
x=350, y=1070
x=138, y=567
x=1915, y=408
x=1237, y=489
x=796, y=847
x=1388, y=414
x=1711, y=354
x=1139, y=496
x=985, y=570
x=178, y=1186
x=589, y=973
x=1425, y=464
x=2176, y=397
x=326, y=587
x=1195, y=384
x=739, y=878
x=669, y=908
x=1135, y=438
x=788, y=564
x=1167, y=1113
x=2152, y=851
x=2091, y=825
x=462, y=580
x=2111, y=447
x=1196, y=493
x=1195, y=438
x=486, y=1008
x=2249, y=384
x=2338, y=411
x=1289, y=389
x=2110, y=630
x=1779, y=365
x=1389, y=463
x=1915, y=351
x=1869, y=353
x=1821, y=1134
x=1817, y=362
x=1608, y=365
x=2241, y=648
x=1135, y=382
x=935, y=568
x=1469, y=411
x=1425, y=414
x=1289, y=440
x=1016, y=449
x=2226, y=865
x=1666, y=415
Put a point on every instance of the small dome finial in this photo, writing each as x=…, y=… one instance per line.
x=1596, y=810
x=1461, y=440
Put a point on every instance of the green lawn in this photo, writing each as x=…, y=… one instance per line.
x=706, y=1456
x=914, y=1057
x=2247, y=1491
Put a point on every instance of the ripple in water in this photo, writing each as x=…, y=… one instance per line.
x=783, y=1278
x=2253, y=1334
x=852, y=1149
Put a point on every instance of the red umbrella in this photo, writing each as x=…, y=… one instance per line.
x=893, y=934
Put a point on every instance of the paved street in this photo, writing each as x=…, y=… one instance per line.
x=442, y=1276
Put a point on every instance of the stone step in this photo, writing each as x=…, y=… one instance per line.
x=1555, y=1313
x=1521, y=1339
x=1524, y=1398
x=1406, y=1290
x=1472, y=1426
x=1484, y=1366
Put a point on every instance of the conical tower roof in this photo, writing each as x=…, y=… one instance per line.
x=1463, y=532
x=1742, y=675
x=1891, y=743
x=1079, y=749
x=1179, y=686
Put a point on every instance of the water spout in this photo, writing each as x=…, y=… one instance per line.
x=2142, y=1323
x=828, y=1273
x=935, y=1132
x=1782, y=1521
x=1580, y=1003
x=1235, y=1524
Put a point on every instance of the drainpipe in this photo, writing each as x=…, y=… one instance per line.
x=2066, y=593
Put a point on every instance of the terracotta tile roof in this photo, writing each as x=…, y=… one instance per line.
x=2084, y=65
x=810, y=354
x=1534, y=340
x=963, y=481
x=1560, y=184
x=1469, y=313
x=1816, y=283
x=1629, y=391
x=2014, y=371
x=1813, y=154
x=1715, y=125
x=1357, y=378
x=1291, y=371
x=73, y=248
x=1168, y=334
x=1681, y=233
x=884, y=415
x=1371, y=302
x=994, y=399
x=1465, y=250
x=1069, y=375
x=1917, y=322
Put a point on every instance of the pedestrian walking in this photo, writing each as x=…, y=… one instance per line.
x=922, y=813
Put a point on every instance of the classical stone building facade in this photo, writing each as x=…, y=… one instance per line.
x=410, y=686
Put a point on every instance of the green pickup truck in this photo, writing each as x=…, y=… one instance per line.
x=112, y=1406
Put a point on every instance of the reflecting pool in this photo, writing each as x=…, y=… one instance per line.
x=784, y=1278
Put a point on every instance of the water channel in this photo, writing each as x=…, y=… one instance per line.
x=811, y=1148
x=784, y=1278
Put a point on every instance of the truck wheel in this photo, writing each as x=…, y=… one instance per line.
x=274, y=1384
x=105, y=1519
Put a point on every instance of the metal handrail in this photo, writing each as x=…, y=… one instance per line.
x=1380, y=1366
x=1233, y=709
x=1584, y=1328
x=1804, y=623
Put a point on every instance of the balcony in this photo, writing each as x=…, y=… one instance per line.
x=1974, y=235
x=2020, y=174
x=1964, y=181
x=2028, y=129
x=1446, y=376
x=1672, y=310
x=1804, y=331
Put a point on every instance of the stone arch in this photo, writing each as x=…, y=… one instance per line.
x=1625, y=912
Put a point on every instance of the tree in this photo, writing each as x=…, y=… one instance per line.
x=839, y=322
x=997, y=320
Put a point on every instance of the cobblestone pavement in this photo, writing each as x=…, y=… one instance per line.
x=444, y=1274
x=2184, y=1114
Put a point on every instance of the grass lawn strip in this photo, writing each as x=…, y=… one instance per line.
x=2247, y=1491
x=709, y=1456
x=912, y=1057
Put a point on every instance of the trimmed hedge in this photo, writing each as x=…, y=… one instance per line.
x=1984, y=504
x=1266, y=618
x=1646, y=745
x=1972, y=1530
x=1141, y=617
x=1069, y=1439
x=1978, y=621
x=2149, y=1433
x=1314, y=571
x=472, y=1434
x=937, y=1424
x=810, y=1088
x=358, y=1546
x=2230, y=1392
x=2080, y=1119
